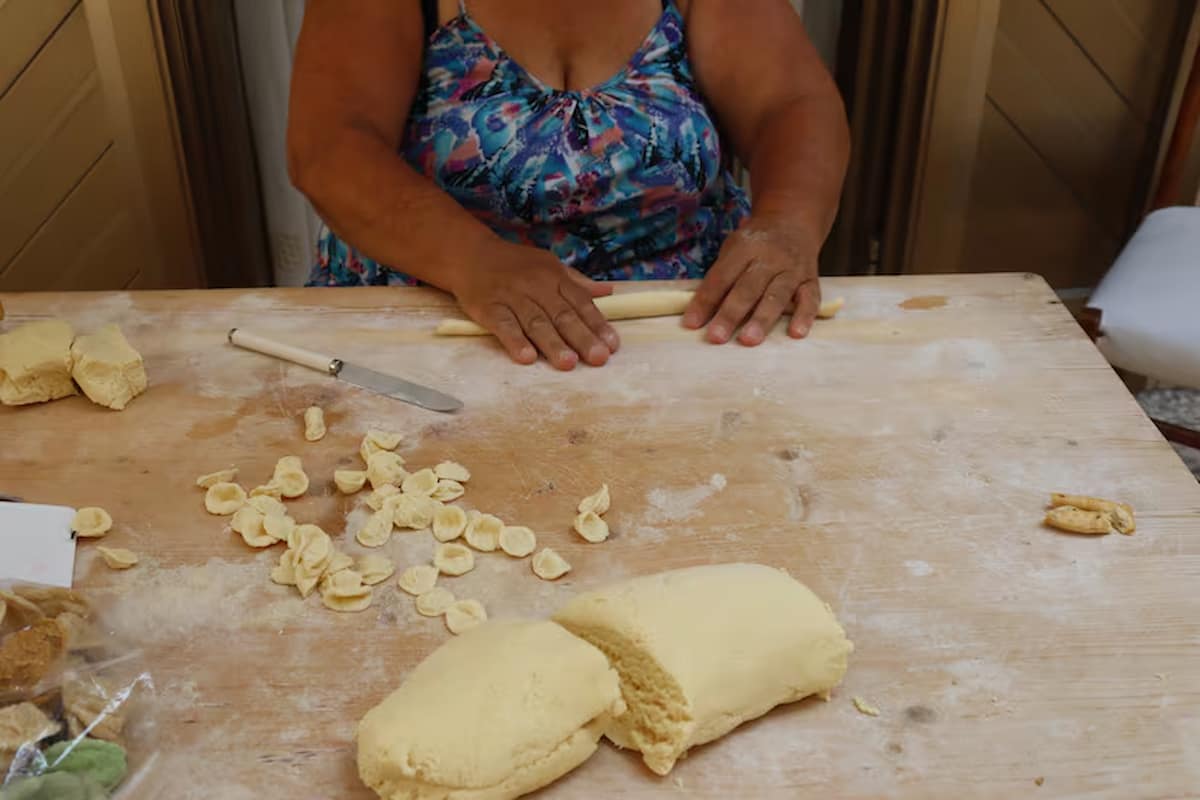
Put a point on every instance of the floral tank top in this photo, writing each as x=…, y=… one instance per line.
x=621, y=181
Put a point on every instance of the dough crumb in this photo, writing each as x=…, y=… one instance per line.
x=549, y=565
x=117, y=557
x=591, y=527
x=418, y=580
x=434, y=602
x=1039, y=780
x=597, y=502
x=483, y=532
x=449, y=522
x=464, y=615
x=107, y=368
x=220, y=476
x=224, y=499
x=91, y=522
x=35, y=363
x=1119, y=514
x=452, y=471
x=830, y=308
x=517, y=540
x=314, y=424
x=453, y=559
x=864, y=707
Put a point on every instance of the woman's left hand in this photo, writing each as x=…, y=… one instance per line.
x=764, y=268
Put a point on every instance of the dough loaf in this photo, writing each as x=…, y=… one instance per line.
x=703, y=649
x=452, y=733
x=107, y=368
x=35, y=363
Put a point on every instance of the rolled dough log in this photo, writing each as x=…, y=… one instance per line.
x=701, y=650
x=497, y=712
x=634, y=305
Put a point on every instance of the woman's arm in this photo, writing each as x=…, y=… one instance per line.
x=785, y=119
x=358, y=64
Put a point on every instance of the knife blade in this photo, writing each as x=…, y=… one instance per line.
x=378, y=382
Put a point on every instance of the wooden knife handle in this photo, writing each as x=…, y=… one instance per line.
x=297, y=355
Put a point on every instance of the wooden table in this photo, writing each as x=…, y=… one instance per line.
x=897, y=462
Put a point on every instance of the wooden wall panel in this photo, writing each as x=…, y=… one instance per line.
x=24, y=27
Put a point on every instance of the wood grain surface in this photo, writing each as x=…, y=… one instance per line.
x=898, y=462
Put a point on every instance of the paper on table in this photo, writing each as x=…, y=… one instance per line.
x=36, y=544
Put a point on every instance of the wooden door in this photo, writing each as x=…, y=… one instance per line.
x=92, y=195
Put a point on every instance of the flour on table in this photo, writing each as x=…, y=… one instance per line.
x=918, y=569
x=676, y=505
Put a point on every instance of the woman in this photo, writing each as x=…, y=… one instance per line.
x=514, y=153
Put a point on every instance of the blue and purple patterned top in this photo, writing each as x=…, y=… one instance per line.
x=621, y=181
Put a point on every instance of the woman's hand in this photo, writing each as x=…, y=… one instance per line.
x=762, y=270
x=529, y=299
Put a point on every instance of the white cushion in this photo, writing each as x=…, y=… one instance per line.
x=1150, y=300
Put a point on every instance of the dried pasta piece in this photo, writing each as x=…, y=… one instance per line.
x=452, y=471
x=419, y=579
x=414, y=512
x=344, y=591
x=517, y=540
x=377, y=530
x=464, y=615
x=248, y=522
x=434, y=602
x=267, y=505
x=378, y=497
x=349, y=481
x=314, y=424
x=549, y=565
x=375, y=568
x=447, y=490
x=591, y=527
x=269, y=489
x=449, y=522
x=95, y=703
x=453, y=559
x=278, y=526
x=92, y=522
x=1077, y=520
x=483, y=532
x=220, y=476
x=830, y=308
x=385, y=468
x=28, y=655
x=1120, y=513
x=422, y=482
x=51, y=601
x=117, y=557
x=224, y=499
x=20, y=724
x=597, y=502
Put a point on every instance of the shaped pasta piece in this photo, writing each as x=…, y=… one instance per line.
x=483, y=532
x=378, y=497
x=349, y=481
x=434, y=602
x=453, y=559
x=422, y=482
x=220, y=476
x=314, y=424
x=597, y=502
x=419, y=579
x=517, y=540
x=117, y=557
x=447, y=490
x=591, y=527
x=224, y=499
x=93, y=522
x=449, y=522
x=344, y=591
x=452, y=471
x=464, y=615
x=375, y=569
x=414, y=512
x=248, y=522
x=549, y=565
x=267, y=505
x=377, y=530
x=385, y=468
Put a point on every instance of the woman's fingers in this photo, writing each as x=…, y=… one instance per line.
x=740, y=300
x=770, y=308
x=500, y=320
x=542, y=331
x=808, y=300
x=592, y=287
x=712, y=290
x=591, y=316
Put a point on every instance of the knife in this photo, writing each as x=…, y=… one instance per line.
x=378, y=382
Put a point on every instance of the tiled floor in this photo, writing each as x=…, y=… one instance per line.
x=1181, y=407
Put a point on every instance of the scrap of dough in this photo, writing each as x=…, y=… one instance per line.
x=379, y=496
x=464, y=615
x=107, y=368
x=447, y=490
x=248, y=522
x=434, y=602
x=375, y=568
x=591, y=527
x=344, y=591
x=419, y=579
x=864, y=707
x=91, y=522
x=449, y=522
x=495, y=713
x=421, y=482
x=385, y=468
x=117, y=557
x=597, y=502
x=703, y=649
x=517, y=540
x=349, y=481
x=549, y=565
x=631, y=305
x=412, y=511
x=314, y=424
x=453, y=559
x=1121, y=513
x=224, y=499
x=220, y=476
x=377, y=530
x=452, y=471
x=483, y=532
x=290, y=477
x=267, y=505
x=35, y=363
x=376, y=441
x=1077, y=520
x=830, y=308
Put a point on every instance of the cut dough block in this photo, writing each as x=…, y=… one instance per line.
x=35, y=363
x=107, y=368
x=452, y=732
x=701, y=650
x=632, y=305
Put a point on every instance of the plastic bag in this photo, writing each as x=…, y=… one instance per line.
x=74, y=710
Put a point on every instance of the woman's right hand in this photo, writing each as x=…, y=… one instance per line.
x=529, y=299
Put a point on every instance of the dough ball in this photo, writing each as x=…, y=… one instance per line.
x=419, y=579
x=449, y=522
x=385, y=469
x=483, y=532
x=278, y=526
x=220, y=476
x=591, y=527
x=314, y=424
x=414, y=512
x=378, y=497
x=517, y=540
x=703, y=649
x=597, y=502
x=349, y=481
x=447, y=490
x=224, y=499
x=109, y=371
x=421, y=482
x=248, y=522
x=344, y=591
x=267, y=506
x=377, y=530
x=549, y=565
x=452, y=471
x=495, y=713
x=434, y=602
x=35, y=363
x=453, y=559
x=92, y=522
x=464, y=615
x=375, y=569
x=117, y=557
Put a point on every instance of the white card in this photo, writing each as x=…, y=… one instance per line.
x=36, y=545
